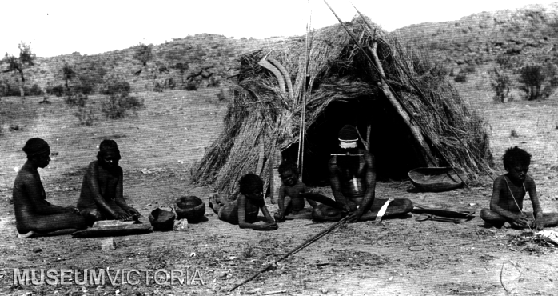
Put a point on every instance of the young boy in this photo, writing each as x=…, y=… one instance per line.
x=289, y=200
x=102, y=188
x=508, y=194
x=244, y=210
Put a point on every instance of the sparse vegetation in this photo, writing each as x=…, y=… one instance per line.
x=144, y=53
x=191, y=85
x=114, y=85
x=470, y=69
x=117, y=105
x=25, y=60
x=461, y=77
x=500, y=83
x=506, y=62
x=68, y=73
x=84, y=112
x=35, y=90
x=8, y=89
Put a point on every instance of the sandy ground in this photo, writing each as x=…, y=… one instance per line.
x=159, y=145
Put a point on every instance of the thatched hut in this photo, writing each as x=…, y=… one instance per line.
x=352, y=73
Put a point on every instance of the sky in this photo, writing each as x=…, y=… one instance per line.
x=55, y=27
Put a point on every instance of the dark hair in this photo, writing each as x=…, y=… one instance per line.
x=250, y=183
x=35, y=146
x=514, y=156
x=287, y=166
x=108, y=145
x=348, y=132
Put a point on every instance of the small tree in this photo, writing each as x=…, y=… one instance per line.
x=500, y=83
x=68, y=73
x=25, y=60
x=144, y=53
x=90, y=74
x=532, y=77
x=182, y=68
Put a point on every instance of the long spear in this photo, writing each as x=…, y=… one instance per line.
x=300, y=158
x=294, y=251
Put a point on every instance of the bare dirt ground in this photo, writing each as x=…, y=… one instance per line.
x=159, y=145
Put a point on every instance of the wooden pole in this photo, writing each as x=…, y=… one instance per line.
x=384, y=87
x=300, y=161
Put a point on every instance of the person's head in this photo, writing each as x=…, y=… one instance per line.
x=37, y=151
x=288, y=172
x=108, y=155
x=251, y=184
x=348, y=137
x=516, y=162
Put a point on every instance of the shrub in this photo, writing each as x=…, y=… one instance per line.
x=157, y=87
x=85, y=115
x=532, y=77
x=191, y=86
x=76, y=100
x=85, y=86
x=470, y=69
x=116, y=105
x=461, y=77
x=505, y=61
x=57, y=90
x=84, y=112
x=500, y=83
x=8, y=89
x=112, y=87
x=35, y=90
x=214, y=81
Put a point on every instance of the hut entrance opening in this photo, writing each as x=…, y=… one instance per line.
x=391, y=142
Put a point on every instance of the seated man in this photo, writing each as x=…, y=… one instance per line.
x=34, y=215
x=353, y=182
x=508, y=193
x=101, y=189
x=290, y=193
x=244, y=210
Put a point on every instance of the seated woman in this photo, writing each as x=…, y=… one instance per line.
x=102, y=189
x=34, y=215
x=244, y=210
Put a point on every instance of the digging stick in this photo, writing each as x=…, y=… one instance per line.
x=293, y=251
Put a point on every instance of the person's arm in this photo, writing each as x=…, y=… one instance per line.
x=281, y=203
x=93, y=183
x=335, y=182
x=370, y=179
x=267, y=216
x=37, y=201
x=242, y=216
x=531, y=187
x=241, y=200
x=119, y=199
x=304, y=189
x=497, y=188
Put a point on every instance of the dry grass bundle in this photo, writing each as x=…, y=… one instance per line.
x=340, y=67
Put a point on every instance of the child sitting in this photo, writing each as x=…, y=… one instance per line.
x=244, y=210
x=508, y=194
x=290, y=199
